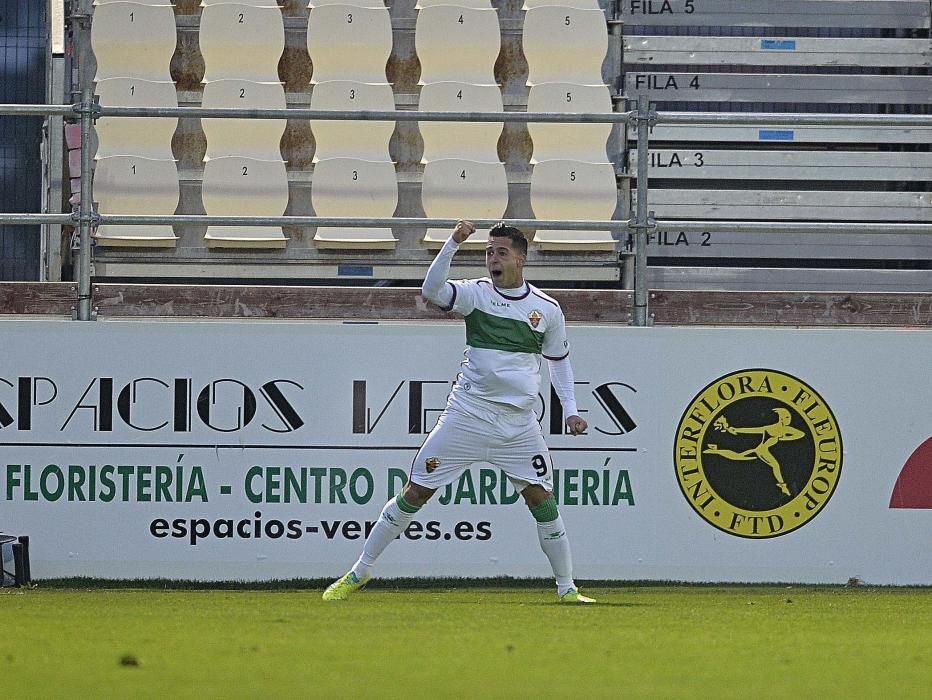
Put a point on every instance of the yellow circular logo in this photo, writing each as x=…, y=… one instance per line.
x=758, y=453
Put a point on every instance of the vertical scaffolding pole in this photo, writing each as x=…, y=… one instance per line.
x=86, y=207
x=641, y=217
x=85, y=210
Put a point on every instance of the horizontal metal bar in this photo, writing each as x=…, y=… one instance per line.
x=693, y=118
x=354, y=115
x=328, y=221
x=37, y=110
x=35, y=219
x=716, y=118
x=790, y=227
x=321, y=221
x=366, y=115
x=541, y=224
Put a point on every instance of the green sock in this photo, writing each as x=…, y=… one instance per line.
x=545, y=512
x=404, y=506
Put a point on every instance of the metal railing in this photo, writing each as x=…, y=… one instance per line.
x=86, y=219
x=88, y=110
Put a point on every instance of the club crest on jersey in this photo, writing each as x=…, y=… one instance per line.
x=534, y=317
x=431, y=464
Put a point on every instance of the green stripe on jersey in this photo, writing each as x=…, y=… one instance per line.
x=484, y=330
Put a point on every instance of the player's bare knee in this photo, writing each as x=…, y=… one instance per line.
x=535, y=494
x=417, y=495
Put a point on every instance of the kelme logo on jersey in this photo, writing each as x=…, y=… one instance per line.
x=758, y=453
x=534, y=317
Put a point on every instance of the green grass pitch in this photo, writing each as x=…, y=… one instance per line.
x=467, y=642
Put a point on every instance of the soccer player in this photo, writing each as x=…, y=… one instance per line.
x=489, y=415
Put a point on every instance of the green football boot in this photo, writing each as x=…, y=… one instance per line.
x=344, y=587
x=574, y=596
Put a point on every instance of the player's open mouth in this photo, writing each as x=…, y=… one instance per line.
x=496, y=273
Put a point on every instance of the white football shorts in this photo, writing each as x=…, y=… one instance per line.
x=481, y=431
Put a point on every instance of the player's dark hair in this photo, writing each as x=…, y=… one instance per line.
x=517, y=238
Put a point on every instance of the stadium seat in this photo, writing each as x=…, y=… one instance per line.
x=238, y=186
x=366, y=140
x=354, y=187
x=575, y=191
x=348, y=42
x=576, y=4
x=457, y=44
x=133, y=39
x=150, y=137
x=473, y=141
x=585, y=142
x=135, y=185
x=251, y=3
x=474, y=4
x=565, y=44
x=377, y=4
x=243, y=42
x=454, y=185
x=254, y=138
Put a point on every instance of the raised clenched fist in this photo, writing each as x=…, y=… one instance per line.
x=463, y=230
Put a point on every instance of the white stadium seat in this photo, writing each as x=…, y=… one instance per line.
x=453, y=185
x=133, y=39
x=474, y=4
x=254, y=138
x=574, y=191
x=135, y=185
x=238, y=186
x=585, y=142
x=565, y=44
x=348, y=42
x=457, y=43
x=240, y=41
x=143, y=136
x=576, y=4
x=367, y=140
x=354, y=187
x=473, y=141
x=251, y=3
x=355, y=3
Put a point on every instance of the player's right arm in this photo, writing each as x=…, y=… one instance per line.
x=436, y=287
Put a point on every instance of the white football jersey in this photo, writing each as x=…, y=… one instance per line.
x=507, y=332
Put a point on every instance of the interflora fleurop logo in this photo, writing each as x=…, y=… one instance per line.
x=758, y=453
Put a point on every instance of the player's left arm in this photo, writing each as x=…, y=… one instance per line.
x=561, y=377
x=557, y=352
